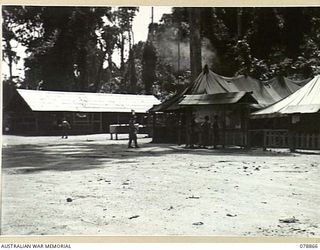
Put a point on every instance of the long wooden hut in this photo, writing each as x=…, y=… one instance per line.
x=40, y=112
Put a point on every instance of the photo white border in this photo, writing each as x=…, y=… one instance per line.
x=158, y=239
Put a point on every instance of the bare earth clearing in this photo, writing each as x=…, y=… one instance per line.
x=90, y=185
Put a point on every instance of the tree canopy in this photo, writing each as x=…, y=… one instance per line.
x=262, y=42
x=67, y=47
x=72, y=48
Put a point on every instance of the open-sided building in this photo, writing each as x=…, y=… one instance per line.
x=40, y=112
x=169, y=120
x=231, y=99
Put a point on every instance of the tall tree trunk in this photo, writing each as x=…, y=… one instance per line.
x=149, y=61
x=132, y=73
x=239, y=22
x=10, y=59
x=110, y=62
x=98, y=77
x=110, y=67
x=10, y=68
x=129, y=38
x=83, y=83
x=132, y=35
x=122, y=52
x=195, y=42
x=178, y=65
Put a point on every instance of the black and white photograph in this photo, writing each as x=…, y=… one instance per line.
x=160, y=121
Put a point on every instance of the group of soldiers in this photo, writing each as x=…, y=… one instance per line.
x=209, y=133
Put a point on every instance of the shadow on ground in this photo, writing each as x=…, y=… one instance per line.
x=31, y=158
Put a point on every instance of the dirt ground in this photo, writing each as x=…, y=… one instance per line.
x=91, y=185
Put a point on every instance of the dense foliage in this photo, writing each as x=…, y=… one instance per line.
x=68, y=47
x=262, y=42
x=72, y=48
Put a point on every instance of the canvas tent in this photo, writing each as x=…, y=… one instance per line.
x=265, y=92
x=230, y=98
x=235, y=115
x=303, y=101
x=208, y=82
x=299, y=118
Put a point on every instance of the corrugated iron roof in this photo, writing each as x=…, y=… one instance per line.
x=218, y=99
x=170, y=104
x=39, y=100
x=304, y=100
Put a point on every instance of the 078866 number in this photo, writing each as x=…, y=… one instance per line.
x=308, y=245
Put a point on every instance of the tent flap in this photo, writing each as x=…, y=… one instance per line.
x=304, y=100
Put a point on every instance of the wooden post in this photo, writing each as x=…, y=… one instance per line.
x=91, y=122
x=154, y=129
x=264, y=139
x=188, y=125
x=36, y=123
x=246, y=123
x=223, y=127
x=100, y=122
x=248, y=126
x=73, y=118
x=179, y=128
x=291, y=138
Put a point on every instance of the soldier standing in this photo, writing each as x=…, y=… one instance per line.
x=133, y=131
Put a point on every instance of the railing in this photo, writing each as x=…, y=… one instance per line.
x=234, y=137
x=307, y=141
x=276, y=138
x=263, y=138
x=282, y=138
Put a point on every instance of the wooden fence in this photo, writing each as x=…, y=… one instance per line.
x=263, y=138
x=282, y=138
x=234, y=137
x=307, y=141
